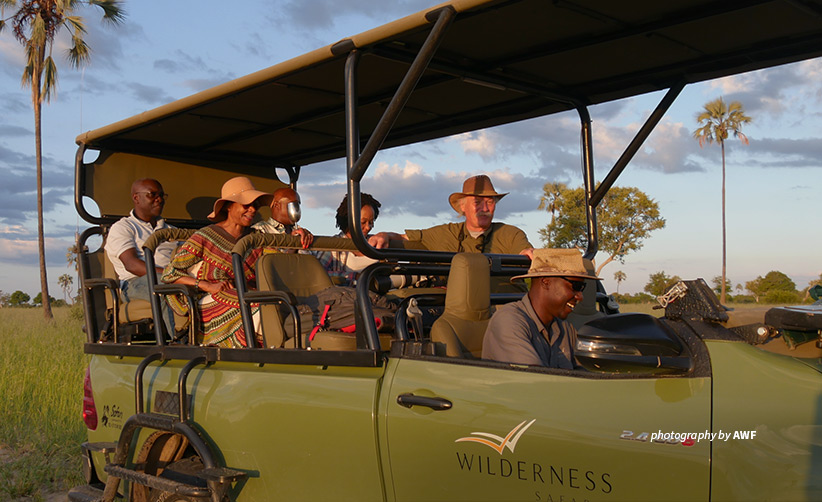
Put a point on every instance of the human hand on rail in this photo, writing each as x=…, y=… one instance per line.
x=306, y=237
x=380, y=240
x=529, y=252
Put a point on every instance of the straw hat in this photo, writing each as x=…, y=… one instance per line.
x=241, y=190
x=557, y=263
x=476, y=185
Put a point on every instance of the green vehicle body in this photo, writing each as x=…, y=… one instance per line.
x=395, y=421
x=322, y=432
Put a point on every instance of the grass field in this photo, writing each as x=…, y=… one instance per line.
x=41, y=390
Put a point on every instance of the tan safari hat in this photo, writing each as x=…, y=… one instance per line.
x=476, y=185
x=241, y=190
x=557, y=263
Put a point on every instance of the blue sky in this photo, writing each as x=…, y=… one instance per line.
x=168, y=50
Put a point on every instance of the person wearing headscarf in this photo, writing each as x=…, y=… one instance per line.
x=344, y=266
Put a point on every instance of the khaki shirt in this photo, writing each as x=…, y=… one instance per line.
x=516, y=335
x=454, y=237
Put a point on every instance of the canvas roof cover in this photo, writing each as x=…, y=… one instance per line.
x=500, y=61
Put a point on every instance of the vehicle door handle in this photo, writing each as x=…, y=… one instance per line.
x=435, y=403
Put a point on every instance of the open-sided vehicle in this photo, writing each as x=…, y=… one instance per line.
x=702, y=404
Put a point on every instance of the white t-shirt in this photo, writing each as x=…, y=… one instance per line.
x=130, y=232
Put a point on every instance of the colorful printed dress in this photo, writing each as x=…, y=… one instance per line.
x=207, y=256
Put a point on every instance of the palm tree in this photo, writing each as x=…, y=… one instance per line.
x=619, y=276
x=65, y=281
x=35, y=23
x=717, y=121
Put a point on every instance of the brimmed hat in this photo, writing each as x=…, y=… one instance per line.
x=557, y=263
x=241, y=190
x=476, y=185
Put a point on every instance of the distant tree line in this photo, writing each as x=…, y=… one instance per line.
x=773, y=288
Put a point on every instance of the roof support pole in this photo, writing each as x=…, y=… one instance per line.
x=409, y=82
x=637, y=142
x=587, y=147
x=367, y=335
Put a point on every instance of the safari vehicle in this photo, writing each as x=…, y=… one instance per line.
x=394, y=416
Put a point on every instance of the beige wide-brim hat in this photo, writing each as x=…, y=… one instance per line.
x=557, y=263
x=476, y=185
x=241, y=190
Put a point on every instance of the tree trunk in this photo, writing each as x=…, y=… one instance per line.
x=724, y=280
x=41, y=239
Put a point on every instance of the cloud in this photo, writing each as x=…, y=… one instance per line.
x=781, y=152
x=10, y=130
x=19, y=247
x=407, y=188
x=199, y=84
x=148, y=93
x=479, y=142
x=18, y=190
x=318, y=15
x=181, y=63
x=778, y=92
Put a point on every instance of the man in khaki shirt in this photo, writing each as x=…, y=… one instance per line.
x=477, y=234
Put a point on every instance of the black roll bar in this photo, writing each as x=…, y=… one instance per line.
x=589, y=178
x=636, y=143
x=356, y=163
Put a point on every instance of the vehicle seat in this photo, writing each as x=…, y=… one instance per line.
x=460, y=329
x=586, y=310
x=132, y=318
x=300, y=275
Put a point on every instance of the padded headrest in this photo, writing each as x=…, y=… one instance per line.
x=300, y=274
x=469, y=287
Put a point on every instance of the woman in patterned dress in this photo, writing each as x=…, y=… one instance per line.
x=204, y=261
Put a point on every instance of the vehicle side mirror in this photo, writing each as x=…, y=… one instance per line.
x=630, y=343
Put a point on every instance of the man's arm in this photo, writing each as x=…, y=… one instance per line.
x=380, y=240
x=134, y=264
x=507, y=339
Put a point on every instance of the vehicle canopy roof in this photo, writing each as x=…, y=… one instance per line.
x=498, y=62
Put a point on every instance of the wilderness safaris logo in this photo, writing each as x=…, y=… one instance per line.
x=551, y=481
x=498, y=443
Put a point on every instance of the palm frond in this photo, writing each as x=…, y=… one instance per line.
x=79, y=52
x=76, y=23
x=49, y=79
x=112, y=10
x=31, y=65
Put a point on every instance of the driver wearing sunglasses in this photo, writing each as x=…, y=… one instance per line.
x=533, y=331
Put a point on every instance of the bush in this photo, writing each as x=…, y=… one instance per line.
x=781, y=296
x=76, y=311
x=744, y=299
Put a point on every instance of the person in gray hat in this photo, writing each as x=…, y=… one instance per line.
x=477, y=234
x=533, y=331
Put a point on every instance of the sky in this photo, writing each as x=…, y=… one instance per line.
x=168, y=50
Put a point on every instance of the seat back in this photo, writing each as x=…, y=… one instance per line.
x=98, y=300
x=460, y=329
x=301, y=275
x=586, y=310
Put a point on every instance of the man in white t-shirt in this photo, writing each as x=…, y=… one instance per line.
x=124, y=244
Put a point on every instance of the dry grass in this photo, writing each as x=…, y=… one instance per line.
x=41, y=389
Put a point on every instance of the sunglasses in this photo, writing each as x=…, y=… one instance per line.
x=154, y=195
x=578, y=286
